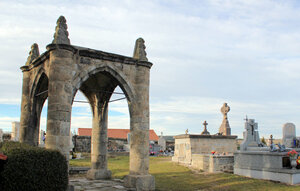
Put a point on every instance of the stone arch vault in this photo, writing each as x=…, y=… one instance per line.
x=60, y=72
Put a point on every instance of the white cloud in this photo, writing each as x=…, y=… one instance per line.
x=204, y=53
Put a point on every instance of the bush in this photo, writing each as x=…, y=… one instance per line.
x=33, y=168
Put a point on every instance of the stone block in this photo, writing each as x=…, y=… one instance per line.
x=140, y=182
x=97, y=174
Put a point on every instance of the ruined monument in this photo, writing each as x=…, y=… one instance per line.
x=64, y=69
x=225, y=127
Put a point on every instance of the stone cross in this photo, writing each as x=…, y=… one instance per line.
x=61, y=34
x=225, y=127
x=271, y=139
x=251, y=135
x=205, y=132
x=225, y=109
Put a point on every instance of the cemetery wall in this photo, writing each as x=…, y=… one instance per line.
x=82, y=143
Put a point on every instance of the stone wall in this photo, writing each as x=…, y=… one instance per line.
x=212, y=163
x=82, y=143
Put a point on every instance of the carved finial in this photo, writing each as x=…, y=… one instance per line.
x=139, y=50
x=61, y=34
x=33, y=54
x=186, y=131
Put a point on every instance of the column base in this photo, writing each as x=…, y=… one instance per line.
x=140, y=182
x=97, y=174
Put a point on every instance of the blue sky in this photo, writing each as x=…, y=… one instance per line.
x=204, y=53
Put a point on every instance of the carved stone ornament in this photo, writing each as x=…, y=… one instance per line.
x=33, y=54
x=61, y=34
x=139, y=50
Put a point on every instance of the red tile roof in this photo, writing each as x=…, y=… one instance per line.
x=116, y=133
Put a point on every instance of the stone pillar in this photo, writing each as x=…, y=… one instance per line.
x=99, y=143
x=26, y=104
x=139, y=176
x=1, y=135
x=15, y=134
x=60, y=94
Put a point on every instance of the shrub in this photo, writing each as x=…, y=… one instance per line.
x=32, y=168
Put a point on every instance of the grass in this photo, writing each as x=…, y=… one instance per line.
x=171, y=176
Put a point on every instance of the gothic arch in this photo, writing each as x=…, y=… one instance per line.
x=71, y=68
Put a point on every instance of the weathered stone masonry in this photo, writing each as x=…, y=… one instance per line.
x=64, y=69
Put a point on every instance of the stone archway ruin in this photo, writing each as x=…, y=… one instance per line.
x=60, y=72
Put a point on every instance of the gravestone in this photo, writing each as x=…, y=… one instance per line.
x=205, y=132
x=288, y=134
x=251, y=136
x=15, y=134
x=225, y=127
x=162, y=142
x=1, y=135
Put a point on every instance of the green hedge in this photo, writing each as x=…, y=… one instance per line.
x=32, y=168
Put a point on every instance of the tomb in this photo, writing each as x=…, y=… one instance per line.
x=212, y=153
x=255, y=160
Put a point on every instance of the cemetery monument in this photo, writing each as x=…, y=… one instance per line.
x=63, y=70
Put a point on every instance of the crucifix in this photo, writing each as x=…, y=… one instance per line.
x=205, y=132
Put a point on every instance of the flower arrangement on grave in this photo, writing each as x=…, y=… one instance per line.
x=292, y=153
x=293, y=158
x=213, y=152
x=298, y=161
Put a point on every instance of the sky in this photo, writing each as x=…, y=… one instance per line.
x=204, y=53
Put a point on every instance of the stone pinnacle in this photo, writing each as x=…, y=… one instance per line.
x=139, y=50
x=33, y=54
x=61, y=33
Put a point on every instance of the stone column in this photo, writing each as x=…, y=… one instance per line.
x=26, y=104
x=99, y=142
x=26, y=130
x=139, y=176
x=59, y=100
